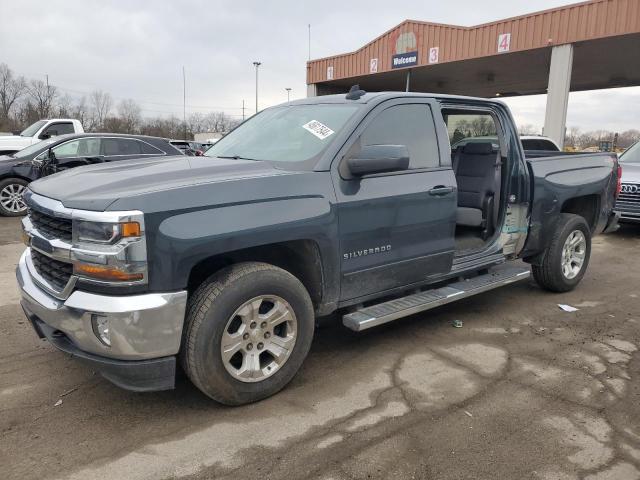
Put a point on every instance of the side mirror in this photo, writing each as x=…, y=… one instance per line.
x=379, y=159
x=48, y=134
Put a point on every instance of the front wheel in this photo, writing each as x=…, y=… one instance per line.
x=567, y=256
x=11, y=201
x=248, y=329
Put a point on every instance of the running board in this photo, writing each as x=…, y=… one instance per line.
x=419, y=302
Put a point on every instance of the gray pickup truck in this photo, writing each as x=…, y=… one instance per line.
x=355, y=205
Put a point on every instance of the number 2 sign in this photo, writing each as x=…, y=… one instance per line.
x=504, y=42
x=433, y=54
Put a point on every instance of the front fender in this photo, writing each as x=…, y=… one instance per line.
x=184, y=240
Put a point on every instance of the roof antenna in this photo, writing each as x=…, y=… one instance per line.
x=355, y=93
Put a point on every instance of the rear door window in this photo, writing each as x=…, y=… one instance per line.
x=149, y=149
x=129, y=146
x=121, y=147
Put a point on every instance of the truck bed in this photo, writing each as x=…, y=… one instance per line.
x=569, y=183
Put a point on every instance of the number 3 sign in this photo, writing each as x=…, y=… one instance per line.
x=433, y=55
x=504, y=42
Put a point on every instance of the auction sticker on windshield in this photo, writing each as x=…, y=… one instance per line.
x=318, y=129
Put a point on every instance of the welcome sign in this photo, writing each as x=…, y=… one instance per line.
x=408, y=59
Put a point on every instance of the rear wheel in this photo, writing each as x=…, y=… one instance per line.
x=567, y=257
x=248, y=329
x=11, y=201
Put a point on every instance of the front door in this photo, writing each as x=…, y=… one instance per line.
x=76, y=153
x=396, y=228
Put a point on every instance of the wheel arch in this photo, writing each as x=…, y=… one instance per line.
x=301, y=258
x=587, y=206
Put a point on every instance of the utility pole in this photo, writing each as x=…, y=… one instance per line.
x=288, y=89
x=257, y=64
x=184, y=102
x=243, y=109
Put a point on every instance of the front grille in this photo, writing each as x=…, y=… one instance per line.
x=51, y=227
x=628, y=202
x=53, y=271
x=629, y=196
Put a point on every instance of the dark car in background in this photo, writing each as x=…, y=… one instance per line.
x=628, y=203
x=68, y=151
x=190, y=148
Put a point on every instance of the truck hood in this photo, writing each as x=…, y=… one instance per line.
x=630, y=172
x=14, y=142
x=95, y=187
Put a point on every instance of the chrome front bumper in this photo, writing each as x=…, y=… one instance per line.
x=142, y=327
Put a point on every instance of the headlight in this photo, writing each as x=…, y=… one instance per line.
x=112, y=252
x=104, y=233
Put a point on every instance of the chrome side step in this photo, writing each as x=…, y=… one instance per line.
x=419, y=302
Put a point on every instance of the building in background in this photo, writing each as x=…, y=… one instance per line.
x=584, y=46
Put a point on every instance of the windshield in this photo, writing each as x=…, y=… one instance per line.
x=632, y=154
x=31, y=130
x=285, y=134
x=35, y=148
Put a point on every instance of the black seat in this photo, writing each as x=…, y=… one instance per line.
x=478, y=180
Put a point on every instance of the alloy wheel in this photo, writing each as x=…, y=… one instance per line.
x=573, y=254
x=258, y=338
x=11, y=198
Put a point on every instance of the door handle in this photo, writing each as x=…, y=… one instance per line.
x=440, y=190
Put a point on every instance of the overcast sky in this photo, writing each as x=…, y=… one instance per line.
x=136, y=49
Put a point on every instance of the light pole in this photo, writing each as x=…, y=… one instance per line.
x=288, y=89
x=257, y=64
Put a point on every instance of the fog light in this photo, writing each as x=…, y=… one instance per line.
x=101, y=328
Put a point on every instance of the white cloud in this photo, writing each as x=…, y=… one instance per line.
x=136, y=49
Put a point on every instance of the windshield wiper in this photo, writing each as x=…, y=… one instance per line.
x=236, y=157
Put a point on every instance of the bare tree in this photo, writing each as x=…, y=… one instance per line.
x=218, y=122
x=100, y=103
x=628, y=137
x=11, y=89
x=43, y=97
x=196, y=123
x=81, y=111
x=64, y=106
x=529, y=129
x=481, y=126
x=572, y=137
x=130, y=116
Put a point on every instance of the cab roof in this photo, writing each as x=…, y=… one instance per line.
x=376, y=97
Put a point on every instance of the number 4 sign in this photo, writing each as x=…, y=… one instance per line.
x=504, y=42
x=433, y=54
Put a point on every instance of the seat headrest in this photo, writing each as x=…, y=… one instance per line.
x=478, y=148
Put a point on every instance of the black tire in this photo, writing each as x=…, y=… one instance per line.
x=210, y=308
x=549, y=273
x=8, y=182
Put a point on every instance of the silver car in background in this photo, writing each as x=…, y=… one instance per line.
x=628, y=203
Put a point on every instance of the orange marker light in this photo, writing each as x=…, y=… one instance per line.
x=130, y=229
x=107, y=273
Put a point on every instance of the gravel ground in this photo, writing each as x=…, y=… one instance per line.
x=523, y=390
